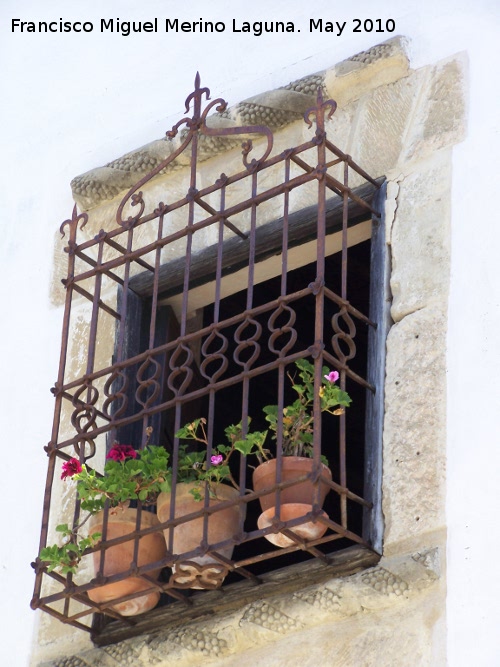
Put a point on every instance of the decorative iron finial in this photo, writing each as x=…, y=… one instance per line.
x=73, y=222
x=197, y=124
x=319, y=111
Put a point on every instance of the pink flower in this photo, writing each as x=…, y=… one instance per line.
x=332, y=376
x=70, y=468
x=121, y=452
x=216, y=460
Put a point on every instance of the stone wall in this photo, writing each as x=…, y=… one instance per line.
x=402, y=124
x=335, y=624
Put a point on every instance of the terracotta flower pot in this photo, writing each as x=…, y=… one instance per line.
x=188, y=536
x=118, y=559
x=295, y=501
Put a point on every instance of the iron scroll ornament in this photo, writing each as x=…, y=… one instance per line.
x=195, y=125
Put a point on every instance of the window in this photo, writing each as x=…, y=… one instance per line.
x=222, y=288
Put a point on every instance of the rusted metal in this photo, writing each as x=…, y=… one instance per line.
x=260, y=339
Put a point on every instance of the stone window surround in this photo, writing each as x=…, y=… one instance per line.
x=413, y=119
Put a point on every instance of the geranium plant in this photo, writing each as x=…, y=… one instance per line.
x=128, y=475
x=297, y=425
x=219, y=470
x=297, y=418
x=141, y=475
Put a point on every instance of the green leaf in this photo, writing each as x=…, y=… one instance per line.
x=166, y=486
x=64, y=529
x=233, y=429
x=244, y=446
x=196, y=493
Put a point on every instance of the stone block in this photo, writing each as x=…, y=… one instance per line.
x=341, y=130
x=440, y=119
x=57, y=293
x=420, y=239
x=383, y=118
x=415, y=426
x=380, y=65
x=340, y=127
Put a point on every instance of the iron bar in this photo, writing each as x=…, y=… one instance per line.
x=73, y=224
x=342, y=419
x=188, y=338
x=102, y=305
x=221, y=384
x=85, y=258
x=233, y=210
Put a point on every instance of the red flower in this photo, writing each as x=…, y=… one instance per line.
x=70, y=468
x=121, y=452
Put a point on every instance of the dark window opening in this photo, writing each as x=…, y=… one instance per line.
x=264, y=390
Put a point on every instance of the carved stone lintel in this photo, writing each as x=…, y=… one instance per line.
x=193, y=640
x=326, y=599
x=269, y=617
x=126, y=653
x=398, y=580
x=385, y=582
x=274, y=109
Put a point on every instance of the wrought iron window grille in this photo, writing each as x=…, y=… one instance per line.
x=158, y=373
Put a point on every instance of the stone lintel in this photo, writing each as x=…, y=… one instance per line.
x=276, y=109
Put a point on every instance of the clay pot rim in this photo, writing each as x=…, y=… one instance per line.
x=299, y=459
x=127, y=515
x=185, y=488
x=297, y=510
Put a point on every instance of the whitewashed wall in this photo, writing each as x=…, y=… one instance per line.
x=73, y=102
